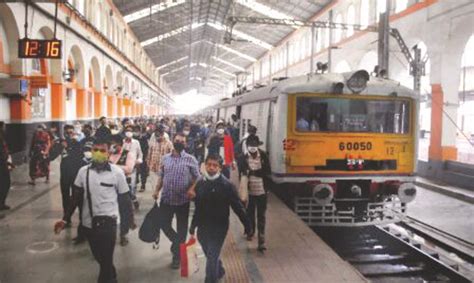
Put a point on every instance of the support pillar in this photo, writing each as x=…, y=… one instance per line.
x=58, y=101
x=82, y=107
x=120, y=107
x=97, y=104
x=110, y=104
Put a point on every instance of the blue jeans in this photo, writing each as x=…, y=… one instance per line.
x=212, y=240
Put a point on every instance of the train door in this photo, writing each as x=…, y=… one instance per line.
x=271, y=112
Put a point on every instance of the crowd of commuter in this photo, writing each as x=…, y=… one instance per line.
x=102, y=167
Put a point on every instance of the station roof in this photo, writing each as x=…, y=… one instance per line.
x=185, y=38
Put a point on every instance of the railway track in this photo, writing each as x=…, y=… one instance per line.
x=384, y=254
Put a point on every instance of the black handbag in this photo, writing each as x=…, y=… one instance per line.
x=150, y=229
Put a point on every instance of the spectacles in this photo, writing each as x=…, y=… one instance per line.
x=99, y=149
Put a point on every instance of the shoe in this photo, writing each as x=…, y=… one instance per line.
x=4, y=207
x=142, y=190
x=123, y=241
x=249, y=237
x=31, y=183
x=175, y=264
x=261, y=248
x=78, y=240
x=136, y=204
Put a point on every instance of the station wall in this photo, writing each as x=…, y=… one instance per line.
x=93, y=78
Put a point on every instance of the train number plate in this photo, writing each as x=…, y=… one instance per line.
x=355, y=146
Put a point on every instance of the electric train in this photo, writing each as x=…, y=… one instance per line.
x=342, y=147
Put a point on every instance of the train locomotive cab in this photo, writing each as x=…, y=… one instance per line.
x=353, y=153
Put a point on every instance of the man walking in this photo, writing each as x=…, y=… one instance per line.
x=214, y=195
x=104, y=190
x=178, y=175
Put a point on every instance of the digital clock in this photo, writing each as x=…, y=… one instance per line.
x=39, y=48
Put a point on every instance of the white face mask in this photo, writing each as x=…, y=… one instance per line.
x=211, y=178
x=114, y=132
x=88, y=154
x=186, y=133
x=129, y=135
x=252, y=149
x=220, y=131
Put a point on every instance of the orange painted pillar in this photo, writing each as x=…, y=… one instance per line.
x=20, y=109
x=97, y=105
x=58, y=101
x=119, y=107
x=436, y=150
x=110, y=106
x=81, y=103
x=132, y=106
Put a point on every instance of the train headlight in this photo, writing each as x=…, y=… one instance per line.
x=358, y=81
x=323, y=193
x=407, y=192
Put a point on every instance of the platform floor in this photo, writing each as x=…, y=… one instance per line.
x=30, y=252
x=444, y=212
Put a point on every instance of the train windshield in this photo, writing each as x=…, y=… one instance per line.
x=319, y=114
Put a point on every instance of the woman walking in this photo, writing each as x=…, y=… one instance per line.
x=39, y=155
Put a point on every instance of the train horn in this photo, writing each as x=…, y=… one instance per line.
x=323, y=194
x=407, y=192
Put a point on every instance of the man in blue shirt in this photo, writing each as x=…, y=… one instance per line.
x=178, y=175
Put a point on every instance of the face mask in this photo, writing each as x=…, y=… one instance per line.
x=178, y=146
x=220, y=131
x=186, y=133
x=129, y=135
x=99, y=157
x=88, y=154
x=211, y=178
x=114, y=132
x=252, y=149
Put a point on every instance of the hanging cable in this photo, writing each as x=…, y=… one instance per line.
x=26, y=18
x=55, y=17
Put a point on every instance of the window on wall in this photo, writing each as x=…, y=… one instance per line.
x=400, y=5
x=338, y=31
x=350, y=19
x=364, y=13
x=326, y=38
x=319, y=39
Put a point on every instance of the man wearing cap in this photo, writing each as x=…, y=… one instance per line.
x=256, y=165
x=221, y=144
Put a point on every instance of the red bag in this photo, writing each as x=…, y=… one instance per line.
x=189, y=260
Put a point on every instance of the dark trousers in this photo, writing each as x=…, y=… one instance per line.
x=66, y=194
x=258, y=203
x=5, y=183
x=182, y=218
x=212, y=240
x=142, y=173
x=102, y=244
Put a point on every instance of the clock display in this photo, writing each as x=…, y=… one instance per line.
x=39, y=48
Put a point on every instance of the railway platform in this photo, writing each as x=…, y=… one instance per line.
x=32, y=253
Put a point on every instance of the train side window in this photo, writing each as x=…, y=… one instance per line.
x=238, y=111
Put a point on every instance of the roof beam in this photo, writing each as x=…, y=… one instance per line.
x=228, y=63
x=242, y=35
x=152, y=10
x=172, y=62
x=265, y=10
x=170, y=34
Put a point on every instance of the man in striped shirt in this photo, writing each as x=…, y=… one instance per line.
x=178, y=175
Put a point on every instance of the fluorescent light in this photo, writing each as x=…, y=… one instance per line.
x=172, y=62
x=265, y=10
x=243, y=35
x=154, y=9
x=170, y=34
x=228, y=63
x=238, y=53
x=223, y=71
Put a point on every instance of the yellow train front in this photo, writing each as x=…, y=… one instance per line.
x=342, y=147
x=352, y=155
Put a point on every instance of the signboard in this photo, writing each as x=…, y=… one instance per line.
x=39, y=48
x=38, y=82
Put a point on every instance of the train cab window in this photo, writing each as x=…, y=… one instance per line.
x=317, y=114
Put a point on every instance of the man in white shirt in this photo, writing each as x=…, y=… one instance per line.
x=132, y=145
x=102, y=189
